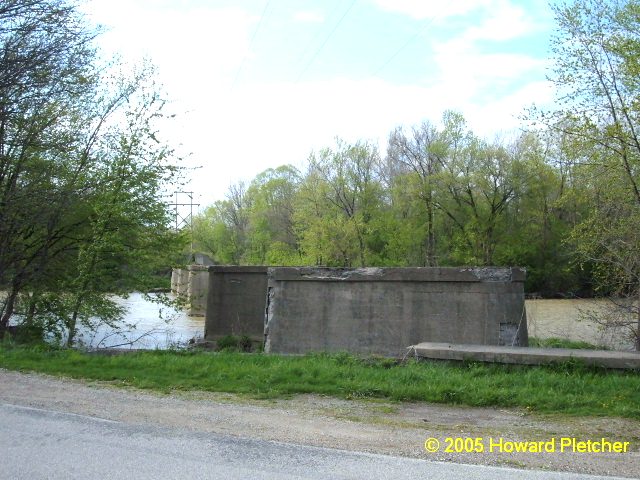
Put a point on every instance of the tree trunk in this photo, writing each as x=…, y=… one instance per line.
x=431, y=241
x=8, y=311
x=73, y=322
x=363, y=262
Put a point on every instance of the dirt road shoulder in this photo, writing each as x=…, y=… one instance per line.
x=367, y=426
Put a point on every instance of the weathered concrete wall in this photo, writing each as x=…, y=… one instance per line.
x=191, y=283
x=180, y=281
x=175, y=274
x=197, y=288
x=385, y=310
x=236, y=302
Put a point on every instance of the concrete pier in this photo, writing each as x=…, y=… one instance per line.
x=383, y=310
x=191, y=284
x=236, y=302
x=180, y=281
x=197, y=289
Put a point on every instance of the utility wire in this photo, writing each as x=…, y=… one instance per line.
x=318, y=34
x=404, y=45
x=317, y=52
x=253, y=37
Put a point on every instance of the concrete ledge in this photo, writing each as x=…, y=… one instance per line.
x=390, y=274
x=237, y=269
x=525, y=355
x=197, y=268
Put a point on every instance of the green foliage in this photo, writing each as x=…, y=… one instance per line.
x=339, y=200
x=233, y=343
x=563, y=343
x=81, y=174
x=441, y=196
x=253, y=225
x=596, y=55
x=567, y=388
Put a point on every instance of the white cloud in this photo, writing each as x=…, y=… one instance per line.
x=421, y=9
x=262, y=126
x=508, y=109
x=496, y=19
x=504, y=21
x=308, y=16
x=236, y=131
x=192, y=47
x=266, y=125
x=482, y=75
x=459, y=62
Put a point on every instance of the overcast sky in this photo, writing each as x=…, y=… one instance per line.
x=262, y=83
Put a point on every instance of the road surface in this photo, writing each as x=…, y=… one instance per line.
x=43, y=443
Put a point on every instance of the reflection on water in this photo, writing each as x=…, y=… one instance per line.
x=568, y=319
x=153, y=325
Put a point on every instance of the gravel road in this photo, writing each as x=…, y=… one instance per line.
x=366, y=426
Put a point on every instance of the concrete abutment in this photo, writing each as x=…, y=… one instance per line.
x=383, y=310
x=371, y=310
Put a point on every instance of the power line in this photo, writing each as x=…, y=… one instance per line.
x=253, y=37
x=405, y=45
x=326, y=40
x=318, y=34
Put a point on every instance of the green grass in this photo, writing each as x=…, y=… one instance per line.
x=570, y=388
x=563, y=343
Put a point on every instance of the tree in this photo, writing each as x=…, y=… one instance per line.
x=222, y=230
x=127, y=220
x=540, y=217
x=421, y=152
x=342, y=195
x=81, y=173
x=597, y=72
x=481, y=181
x=273, y=239
x=45, y=76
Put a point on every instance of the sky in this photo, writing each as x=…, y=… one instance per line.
x=260, y=83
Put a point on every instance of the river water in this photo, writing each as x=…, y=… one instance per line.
x=152, y=326
x=572, y=319
x=158, y=326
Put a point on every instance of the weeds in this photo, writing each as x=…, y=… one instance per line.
x=567, y=388
x=563, y=343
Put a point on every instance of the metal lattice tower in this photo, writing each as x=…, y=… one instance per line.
x=184, y=216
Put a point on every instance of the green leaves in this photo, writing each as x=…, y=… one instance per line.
x=596, y=54
x=81, y=173
x=441, y=196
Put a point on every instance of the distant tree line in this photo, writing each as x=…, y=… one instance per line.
x=439, y=196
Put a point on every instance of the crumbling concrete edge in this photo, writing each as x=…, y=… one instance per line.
x=399, y=274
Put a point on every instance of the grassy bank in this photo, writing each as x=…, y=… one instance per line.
x=555, y=342
x=567, y=388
